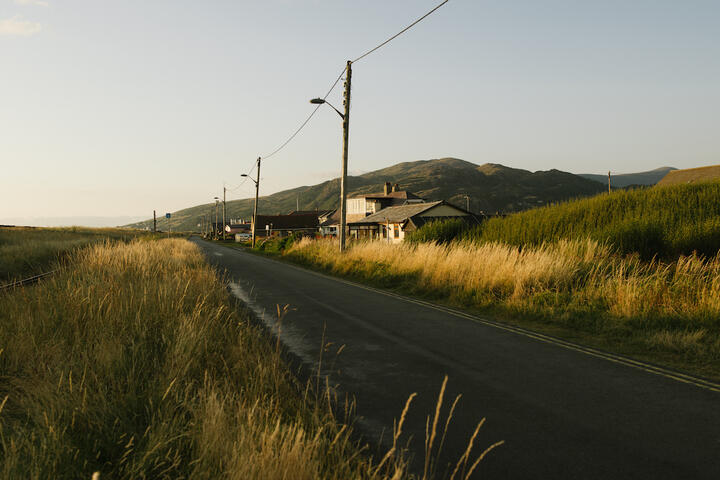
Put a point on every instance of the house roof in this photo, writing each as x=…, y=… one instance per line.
x=402, y=194
x=281, y=222
x=397, y=214
x=691, y=175
x=318, y=213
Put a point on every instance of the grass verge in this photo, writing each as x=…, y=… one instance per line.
x=130, y=362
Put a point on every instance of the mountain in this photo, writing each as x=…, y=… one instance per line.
x=626, y=179
x=491, y=187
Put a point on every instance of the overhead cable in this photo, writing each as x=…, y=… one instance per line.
x=400, y=32
x=302, y=125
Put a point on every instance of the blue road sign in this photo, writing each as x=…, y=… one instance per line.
x=167, y=215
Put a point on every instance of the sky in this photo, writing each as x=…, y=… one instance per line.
x=117, y=108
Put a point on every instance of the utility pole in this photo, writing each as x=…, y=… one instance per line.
x=609, y=189
x=223, y=227
x=154, y=222
x=215, y=235
x=257, y=192
x=297, y=203
x=467, y=202
x=346, y=135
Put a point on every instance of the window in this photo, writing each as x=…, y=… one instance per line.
x=396, y=231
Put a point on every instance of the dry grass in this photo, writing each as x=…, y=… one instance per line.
x=26, y=251
x=131, y=362
x=577, y=284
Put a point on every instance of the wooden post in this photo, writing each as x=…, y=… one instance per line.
x=609, y=189
x=346, y=136
x=255, y=208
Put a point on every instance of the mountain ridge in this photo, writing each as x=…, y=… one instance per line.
x=491, y=187
x=650, y=177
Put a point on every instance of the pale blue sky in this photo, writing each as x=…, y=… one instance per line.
x=121, y=107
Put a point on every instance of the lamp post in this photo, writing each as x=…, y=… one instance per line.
x=346, y=134
x=257, y=191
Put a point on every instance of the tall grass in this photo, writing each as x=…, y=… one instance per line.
x=130, y=362
x=667, y=308
x=664, y=221
x=28, y=251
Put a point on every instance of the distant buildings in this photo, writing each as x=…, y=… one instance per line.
x=389, y=215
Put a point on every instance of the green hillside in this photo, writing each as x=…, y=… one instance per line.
x=666, y=221
x=491, y=188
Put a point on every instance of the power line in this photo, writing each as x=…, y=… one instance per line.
x=400, y=32
x=302, y=125
x=312, y=114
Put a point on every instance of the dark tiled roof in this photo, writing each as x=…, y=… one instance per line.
x=280, y=222
x=318, y=213
x=404, y=194
x=397, y=214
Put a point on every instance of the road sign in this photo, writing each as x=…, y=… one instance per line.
x=167, y=215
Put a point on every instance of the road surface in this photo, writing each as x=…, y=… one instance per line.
x=564, y=412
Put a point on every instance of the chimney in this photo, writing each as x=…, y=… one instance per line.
x=396, y=188
x=386, y=190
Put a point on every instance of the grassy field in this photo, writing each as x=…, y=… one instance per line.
x=663, y=221
x=131, y=362
x=581, y=290
x=28, y=251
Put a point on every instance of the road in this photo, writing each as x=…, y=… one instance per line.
x=564, y=412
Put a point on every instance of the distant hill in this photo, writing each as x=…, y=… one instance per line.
x=491, y=187
x=626, y=179
x=692, y=175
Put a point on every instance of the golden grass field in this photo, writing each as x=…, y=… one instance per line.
x=130, y=362
x=669, y=311
x=27, y=251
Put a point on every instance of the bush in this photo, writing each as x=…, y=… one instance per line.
x=441, y=231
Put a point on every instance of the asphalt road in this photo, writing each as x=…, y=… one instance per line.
x=563, y=412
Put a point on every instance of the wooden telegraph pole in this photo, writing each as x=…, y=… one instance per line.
x=609, y=189
x=154, y=222
x=346, y=135
x=215, y=234
x=223, y=227
x=257, y=192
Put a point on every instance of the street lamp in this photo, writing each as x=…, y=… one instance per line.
x=320, y=101
x=346, y=134
x=257, y=192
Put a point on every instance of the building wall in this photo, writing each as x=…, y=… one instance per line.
x=356, y=206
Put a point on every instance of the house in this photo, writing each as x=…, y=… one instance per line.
x=393, y=223
x=284, y=225
x=232, y=229
x=322, y=215
x=361, y=206
x=691, y=175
